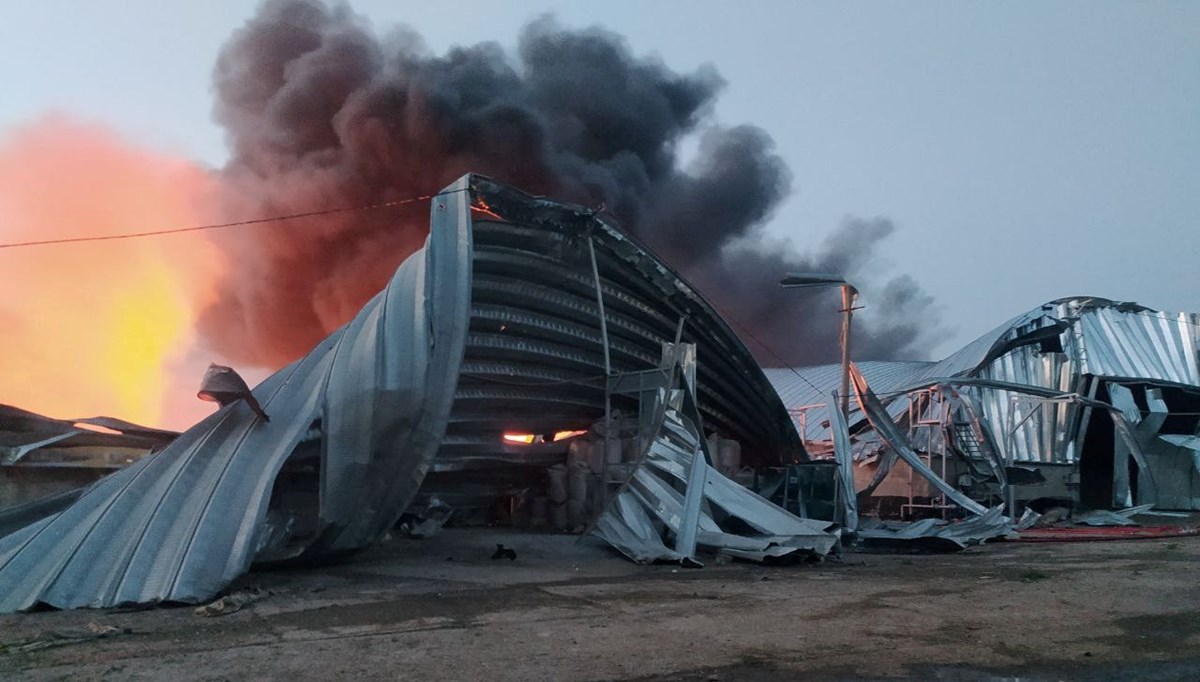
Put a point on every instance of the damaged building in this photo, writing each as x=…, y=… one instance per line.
x=534, y=366
x=1082, y=402
x=531, y=364
x=45, y=464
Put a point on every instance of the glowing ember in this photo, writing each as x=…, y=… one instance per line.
x=481, y=206
x=96, y=428
x=530, y=438
x=99, y=327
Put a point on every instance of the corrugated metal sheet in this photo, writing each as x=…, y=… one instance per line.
x=181, y=524
x=1140, y=344
x=652, y=507
x=502, y=292
x=805, y=386
x=1062, y=346
x=30, y=438
x=939, y=534
x=534, y=359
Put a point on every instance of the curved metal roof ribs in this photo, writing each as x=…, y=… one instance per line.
x=502, y=290
x=535, y=355
x=181, y=524
x=1113, y=340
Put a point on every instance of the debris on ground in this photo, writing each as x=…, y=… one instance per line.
x=503, y=552
x=56, y=638
x=1051, y=517
x=1028, y=519
x=428, y=522
x=936, y=534
x=233, y=602
x=1105, y=517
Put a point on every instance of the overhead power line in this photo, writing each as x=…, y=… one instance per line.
x=217, y=226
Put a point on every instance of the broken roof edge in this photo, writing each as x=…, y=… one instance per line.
x=180, y=525
x=810, y=385
x=512, y=204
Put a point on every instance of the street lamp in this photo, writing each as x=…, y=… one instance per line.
x=849, y=296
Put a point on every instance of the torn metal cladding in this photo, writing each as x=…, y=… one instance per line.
x=183, y=523
x=847, y=495
x=938, y=534
x=492, y=327
x=27, y=438
x=1036, y=391
x=881, y=421
x=46, y=464
x=535, y=311
x=645, y=514
x=1064, y=346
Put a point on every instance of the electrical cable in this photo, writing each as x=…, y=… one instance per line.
x=217, y=226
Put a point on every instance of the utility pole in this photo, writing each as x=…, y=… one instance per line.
x=849, y=297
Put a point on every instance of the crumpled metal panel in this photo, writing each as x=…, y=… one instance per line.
x=652, y=505
x=804, y=386
x=499, y=292
x=890, y=433
x=931, y=533
x=23, y=432
x=847, y=494
x=535, y=356
x=1104, y=517
x=181, y=524
x=1062, y=346
x=1043, y=429
x=1190, y=444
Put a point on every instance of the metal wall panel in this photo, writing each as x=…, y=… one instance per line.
x=181, y=524
x=493, y=326
x=1085, y=339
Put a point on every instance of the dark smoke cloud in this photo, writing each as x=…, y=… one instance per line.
x=801, y=326
x=321, y=112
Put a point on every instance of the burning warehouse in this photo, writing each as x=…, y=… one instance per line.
x=531, y=364
x=534, y=366
x=519, y=317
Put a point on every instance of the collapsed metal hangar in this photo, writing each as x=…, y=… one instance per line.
x=1083, y=402
x=519, y=315
x=527, y=316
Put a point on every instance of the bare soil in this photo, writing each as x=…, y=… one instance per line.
x=569, y=609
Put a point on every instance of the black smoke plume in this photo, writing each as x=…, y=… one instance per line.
x=321, y=112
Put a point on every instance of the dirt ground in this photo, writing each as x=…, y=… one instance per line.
x=573, y=610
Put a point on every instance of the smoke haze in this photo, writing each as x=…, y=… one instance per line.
x=321, y=111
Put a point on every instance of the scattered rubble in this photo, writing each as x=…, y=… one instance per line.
x=233, y=602
x=56, y=638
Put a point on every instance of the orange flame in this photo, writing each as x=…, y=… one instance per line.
x=530, y=439
x=100, y=328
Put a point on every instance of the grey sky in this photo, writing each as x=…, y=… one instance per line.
x=1026, y=151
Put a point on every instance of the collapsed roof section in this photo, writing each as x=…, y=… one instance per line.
x=1054, y=347
x=30, y=438
x=46, y=463
x=1078, y=376
x=181, y=524
x=495, y=325
x=535, y=358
